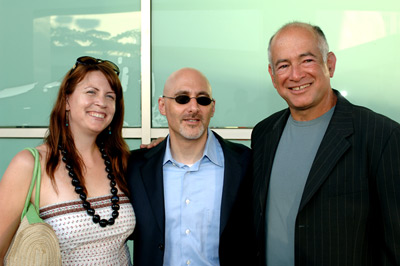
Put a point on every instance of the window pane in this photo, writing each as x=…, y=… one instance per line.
x=13, y=146
x=43, y=43
x=227, y=40
x=133, y=143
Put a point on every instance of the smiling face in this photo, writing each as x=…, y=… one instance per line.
x=187, y=121
x=92, y=105
x=300, y=74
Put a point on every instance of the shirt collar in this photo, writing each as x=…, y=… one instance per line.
x=210, y=151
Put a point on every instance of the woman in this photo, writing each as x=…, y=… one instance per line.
x=83, y=158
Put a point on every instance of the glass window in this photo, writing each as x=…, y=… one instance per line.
x=40, y=41
x=133, y=143
x=227, y=40
x=13, y=146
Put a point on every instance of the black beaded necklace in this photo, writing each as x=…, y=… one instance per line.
x=79, y=189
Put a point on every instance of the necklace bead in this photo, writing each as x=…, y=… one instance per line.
x=103, y=222
x=82, y=195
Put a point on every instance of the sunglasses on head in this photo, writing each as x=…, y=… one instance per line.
x=184, y=99
x=88, y=60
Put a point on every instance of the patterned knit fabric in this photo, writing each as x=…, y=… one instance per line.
x=83, y=242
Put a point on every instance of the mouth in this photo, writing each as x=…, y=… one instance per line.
x=191, y=120
x=97, y=115
x=302, y=87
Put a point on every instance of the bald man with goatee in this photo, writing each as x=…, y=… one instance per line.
x=191, y=193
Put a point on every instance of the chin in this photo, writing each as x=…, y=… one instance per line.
x=192, y=135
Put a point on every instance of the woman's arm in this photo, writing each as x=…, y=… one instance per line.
x=14, y=187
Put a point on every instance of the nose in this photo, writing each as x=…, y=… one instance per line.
x=296, y=73
x=193, y=105
x=101, y=101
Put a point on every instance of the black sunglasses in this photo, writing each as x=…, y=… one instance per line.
x=88, y=60
x=184, y=99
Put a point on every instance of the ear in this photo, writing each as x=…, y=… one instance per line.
x=213, y=108
x=331, y=63
x=271, y=74
x=161, y=105
x=67, y=107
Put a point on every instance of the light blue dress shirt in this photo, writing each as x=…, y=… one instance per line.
x=192, y=196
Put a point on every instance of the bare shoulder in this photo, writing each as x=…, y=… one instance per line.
x=14, y=186
x=20, y=168
x=22, y=160
x=15, y=182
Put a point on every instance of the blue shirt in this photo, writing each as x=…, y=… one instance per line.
x=192, y=196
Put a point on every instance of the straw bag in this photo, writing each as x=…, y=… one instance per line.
x=35, y=242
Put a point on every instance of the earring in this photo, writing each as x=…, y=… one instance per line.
x=66, y=118
x=109, y=130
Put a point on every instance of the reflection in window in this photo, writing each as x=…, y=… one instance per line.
x=56, y=41
x=359, y=27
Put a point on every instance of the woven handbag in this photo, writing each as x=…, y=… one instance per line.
x=35, y=242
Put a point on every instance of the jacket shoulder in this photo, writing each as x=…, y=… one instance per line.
x=269, y=122
x=363, y=114
x=146, y=154
x=231, y=146
x=137, y=154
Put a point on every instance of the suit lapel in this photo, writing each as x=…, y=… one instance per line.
x=152, y=176
x=267, y=157
x=233, y=174
x=333, y=146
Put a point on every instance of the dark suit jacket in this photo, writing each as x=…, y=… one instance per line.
x=145, y=183
x=350, y=209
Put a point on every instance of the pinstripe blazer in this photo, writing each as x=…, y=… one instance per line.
x=350, y=208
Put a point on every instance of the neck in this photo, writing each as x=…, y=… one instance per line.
x=187, y=151
x=314, y=112
x=87, y=148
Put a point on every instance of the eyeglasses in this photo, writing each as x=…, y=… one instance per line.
x=88, y=60
x=184, y=99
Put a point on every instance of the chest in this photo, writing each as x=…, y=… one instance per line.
x=96, y=183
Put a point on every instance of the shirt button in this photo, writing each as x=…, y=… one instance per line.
x=187, y=201
x=187, y=231
x=187, y=262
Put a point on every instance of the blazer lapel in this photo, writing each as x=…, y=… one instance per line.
x=233, y=174
x=263, y=158
x=333, y=146
x=267, y=158
x=152, y=176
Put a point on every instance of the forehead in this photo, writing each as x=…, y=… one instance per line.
x=95, y=79
x=294, y=41
x=189, y=82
